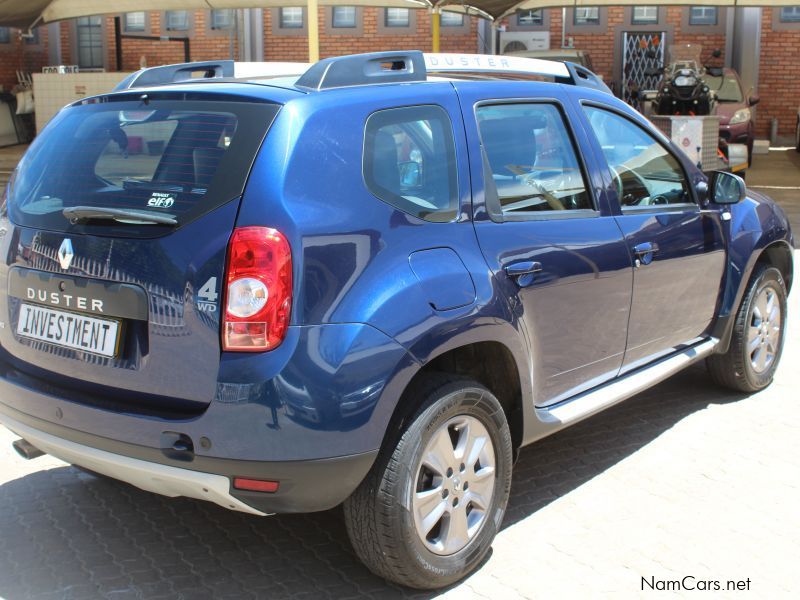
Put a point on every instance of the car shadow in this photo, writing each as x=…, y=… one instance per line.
x=69, y=535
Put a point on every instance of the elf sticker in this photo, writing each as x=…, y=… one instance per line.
x=161, y=200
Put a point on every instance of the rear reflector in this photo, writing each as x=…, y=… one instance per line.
x=255, y=485
x=258, y=294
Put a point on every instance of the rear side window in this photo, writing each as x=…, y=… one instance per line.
x=182, y=158
x=410, y=161
x=532, y=160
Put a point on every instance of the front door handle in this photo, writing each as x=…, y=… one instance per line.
x=644, y=252
x=522, y=272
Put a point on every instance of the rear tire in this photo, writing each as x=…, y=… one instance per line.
x=426, y=514
x=758, y=335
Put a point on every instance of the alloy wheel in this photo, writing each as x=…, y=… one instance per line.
x=454, y=485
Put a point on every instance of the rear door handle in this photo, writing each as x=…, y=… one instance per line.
x=522, y=272
x=644, y=252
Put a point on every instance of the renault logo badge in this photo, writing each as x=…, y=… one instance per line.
x=65, y=254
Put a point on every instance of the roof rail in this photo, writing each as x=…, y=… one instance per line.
x=220, y=69
x=408, y=66
x=366, y=69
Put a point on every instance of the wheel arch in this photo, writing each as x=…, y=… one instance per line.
x=489, y=362
x=777, y=254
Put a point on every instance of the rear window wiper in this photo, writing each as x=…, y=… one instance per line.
x=131, y=216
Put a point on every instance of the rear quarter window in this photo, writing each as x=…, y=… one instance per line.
x=410, y=161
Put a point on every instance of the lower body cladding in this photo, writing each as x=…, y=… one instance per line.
x=301, y=486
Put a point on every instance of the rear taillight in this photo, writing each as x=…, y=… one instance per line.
x=258, y=291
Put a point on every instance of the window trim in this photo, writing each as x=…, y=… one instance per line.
x=780, y=25
x=145, y=31
x=704, y=6
x=275, y=18
x=382, y=29
x=719, y=28
x=217, y=31
x=601, y=27
x=190, y=22
x=492, y=197
x=513, y=23
x=661, y=139
x=10, y=42
x=356, y=31
x=634, y=21
x=453, y=214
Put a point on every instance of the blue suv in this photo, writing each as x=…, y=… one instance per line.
x=368, y=285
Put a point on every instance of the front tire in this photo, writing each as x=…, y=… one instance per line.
x=758, y=334
x=427, y=513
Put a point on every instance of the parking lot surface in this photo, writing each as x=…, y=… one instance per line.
x=685, y=482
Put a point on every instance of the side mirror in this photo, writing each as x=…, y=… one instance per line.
x=753, y=100
x=727, y=188
x=717, y=53
x=410, y=174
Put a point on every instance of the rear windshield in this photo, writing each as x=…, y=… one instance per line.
x=181, y=158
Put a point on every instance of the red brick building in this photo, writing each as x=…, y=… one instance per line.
x=604, y=32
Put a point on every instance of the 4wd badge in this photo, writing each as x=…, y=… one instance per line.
x=161, y=200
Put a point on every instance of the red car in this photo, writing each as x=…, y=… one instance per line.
x=736, y=124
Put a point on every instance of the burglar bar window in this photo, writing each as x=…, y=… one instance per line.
x=527, y=18
x=344, y=16
x=292, y=17
x=177, y=20
x=790, y=14
x=587, y=15
x=703, y=15
x=222, y=18
x=644, y=15
x=397, y=17
x=134, y=22
x=5, y=35
x=451, y=19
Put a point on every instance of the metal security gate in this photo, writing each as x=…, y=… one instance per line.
x=641, y=51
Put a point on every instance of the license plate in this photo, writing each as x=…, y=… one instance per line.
x=70, y=330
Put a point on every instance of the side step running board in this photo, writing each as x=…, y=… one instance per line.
x=592, y=402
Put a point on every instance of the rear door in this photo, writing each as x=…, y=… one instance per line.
x=677, y=247
x=547, y=234
x=124, y=310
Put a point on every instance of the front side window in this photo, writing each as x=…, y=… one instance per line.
x=410, y=161
x=292, y=17
x=451, y=19
x=397, y=17
x=644, y=15
x=529, y=18
x=703, y=15
x=344, y=16
x=644, y=172
x=587, y=15
x=790, y=14
x=532, y=159
x=177, y=20
x=135, y=22
x=222, y=18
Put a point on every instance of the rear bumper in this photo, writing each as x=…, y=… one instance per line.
x=305, y=486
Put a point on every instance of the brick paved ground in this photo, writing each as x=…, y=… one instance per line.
x=684, y=479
